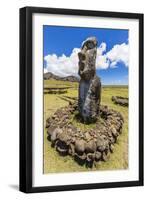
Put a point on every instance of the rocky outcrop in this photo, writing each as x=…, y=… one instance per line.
x=120, y=100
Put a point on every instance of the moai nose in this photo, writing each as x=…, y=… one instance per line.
x=81, y=56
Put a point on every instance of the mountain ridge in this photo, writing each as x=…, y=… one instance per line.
x=50, y=75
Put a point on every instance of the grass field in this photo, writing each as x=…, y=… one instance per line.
x=55, y=163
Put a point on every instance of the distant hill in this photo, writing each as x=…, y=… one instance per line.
x=50, y=75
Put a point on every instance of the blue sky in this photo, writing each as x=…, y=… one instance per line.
x=61, y=44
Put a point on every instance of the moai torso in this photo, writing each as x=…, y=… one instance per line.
x=90, y=85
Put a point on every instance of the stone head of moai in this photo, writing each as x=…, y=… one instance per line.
x=90, y=84
x=87, y=58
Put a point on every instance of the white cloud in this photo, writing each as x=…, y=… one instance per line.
x=102, y=62
x=63, y=65
x=45, y=70
x=113, y=64
x=101, y=49
x=68, y=65
x=119, y=53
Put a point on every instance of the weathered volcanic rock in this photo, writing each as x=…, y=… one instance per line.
x=91, y=145
x=120, y=100
x=90, y=84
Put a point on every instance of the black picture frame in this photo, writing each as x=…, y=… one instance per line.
x=26, y=99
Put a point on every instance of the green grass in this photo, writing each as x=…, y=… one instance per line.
x=55, y=163
x=59, y=84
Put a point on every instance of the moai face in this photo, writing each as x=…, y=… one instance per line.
x=87, y=58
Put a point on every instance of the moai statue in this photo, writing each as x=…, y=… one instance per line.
x=90, y=84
